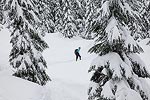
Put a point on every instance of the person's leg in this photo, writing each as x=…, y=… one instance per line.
x=76, y=56
x=79, y=56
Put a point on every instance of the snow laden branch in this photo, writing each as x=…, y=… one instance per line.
x=114, y=77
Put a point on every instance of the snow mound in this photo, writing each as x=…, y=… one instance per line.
x=13, y=88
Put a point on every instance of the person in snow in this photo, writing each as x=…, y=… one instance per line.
x=77, y=53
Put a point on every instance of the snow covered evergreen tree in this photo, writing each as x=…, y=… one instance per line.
x=79, y=14
x=118, y=72
x=46, y=10
x=88, y=18
x=69, y=13
x=2, y=19
x=140, y=31
x=92, y=7
x=59, y=16
x=147, y=15
x=148, y=11
x=1, y=12
x=27, y=44
x=69, y=27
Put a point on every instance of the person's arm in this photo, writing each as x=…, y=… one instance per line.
x=78, y=50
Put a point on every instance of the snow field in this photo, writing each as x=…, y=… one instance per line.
x=70, y=79
x=5, y=48
x=61, y=62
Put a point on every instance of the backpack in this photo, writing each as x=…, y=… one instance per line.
x=76, y=51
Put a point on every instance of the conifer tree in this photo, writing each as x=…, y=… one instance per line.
x=140, y=31
x=1, y=12
x=69, y=13
x=69, y=26
x=148, y=11
x=80, y=10
x=27, y=44
x=2, y=19
x=144, y=32
x=147, y=15
x=46, y=9
x=59, y=15
x=90, y=17
x=118, y=72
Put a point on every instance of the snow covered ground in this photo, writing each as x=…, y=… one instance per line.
x=70, y=79
x=146, y=55
x=5, y=48
x=61, y=59
x=13, y=88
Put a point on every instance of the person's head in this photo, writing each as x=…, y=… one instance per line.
x=79, y=47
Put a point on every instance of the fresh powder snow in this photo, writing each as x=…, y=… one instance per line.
x=70, y=78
